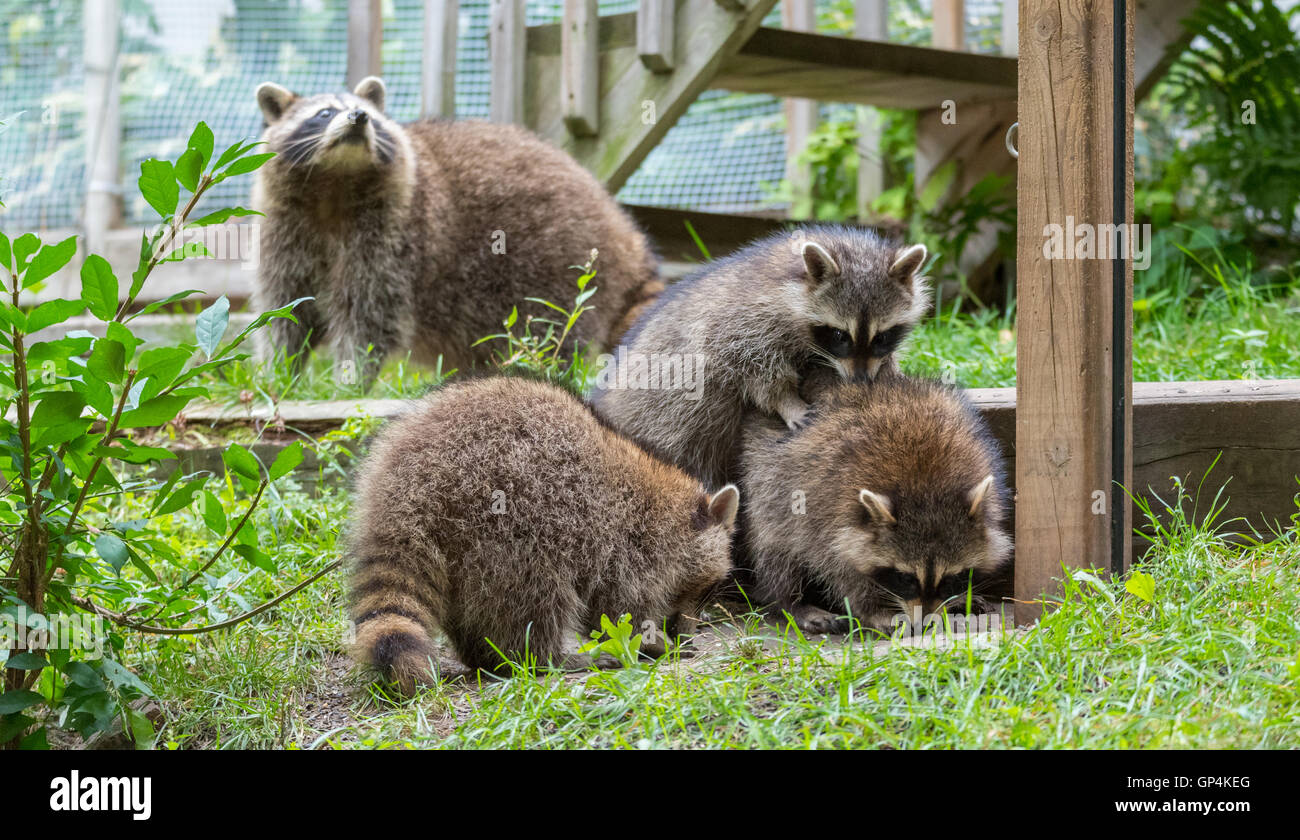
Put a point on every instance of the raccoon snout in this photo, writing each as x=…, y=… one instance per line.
x=358, y=117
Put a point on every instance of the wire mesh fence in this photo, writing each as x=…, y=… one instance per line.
x=185, y=60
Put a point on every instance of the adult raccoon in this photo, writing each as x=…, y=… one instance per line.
x=421, y=237
x=503, y=513
x=892, y=500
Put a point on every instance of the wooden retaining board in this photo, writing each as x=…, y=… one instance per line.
x=1178, y=430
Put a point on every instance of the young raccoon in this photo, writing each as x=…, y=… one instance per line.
x=747, y=325
x=422, y=237
x=503, y=513
x=887, y=502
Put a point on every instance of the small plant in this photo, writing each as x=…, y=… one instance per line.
x=543, y=352
x=79, y=518
x=621, y=640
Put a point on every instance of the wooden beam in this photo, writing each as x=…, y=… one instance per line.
x=103, y=131
x=885, y=75
x=637, y=108
x=438, y=71
x=580, y=68
x=1064, y=479
x=506, y=57
x=365, y=40
x=950, y=24
x=656, y=28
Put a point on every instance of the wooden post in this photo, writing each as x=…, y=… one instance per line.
x=950, y=24
x=580, y=68
x=103, y=132
x=870, y=23
x=656, y=29
x=438, y=72
x=365, y=40
x=1065, y=376
x=801, y=115
x=506, y=54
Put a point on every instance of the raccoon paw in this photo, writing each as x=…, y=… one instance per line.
x=816, y=621
x=797, y=421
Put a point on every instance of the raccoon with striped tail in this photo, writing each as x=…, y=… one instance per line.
x=502, y=513
x=421, y=237
x=891, y=502
x=832, y=294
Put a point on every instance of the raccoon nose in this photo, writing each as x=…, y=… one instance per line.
x=358, y=117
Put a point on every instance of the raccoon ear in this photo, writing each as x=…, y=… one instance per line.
x=723, y=506
x=907, y=262
x=371, y=88
x=818, y=262
x=274, y=100
x=878, y=506
x=978, y=494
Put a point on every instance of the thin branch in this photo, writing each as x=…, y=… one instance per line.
x=123, y=621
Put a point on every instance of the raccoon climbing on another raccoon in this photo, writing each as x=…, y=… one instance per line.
x=421, y=237
x=501, y=512
x=891, y=501
x=829, y=294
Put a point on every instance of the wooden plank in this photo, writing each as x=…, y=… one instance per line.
x=365, y=40
x=950, y=24
x=637, y=108
x=656, y=28
x=103, y=129
x=438, y=71
x=1063, y=422
x=849, y=70
x=506, y=57
x=801, y=117
x=580, y=68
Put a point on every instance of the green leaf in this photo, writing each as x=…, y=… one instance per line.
x=122, y=334
x=241, y=461
x=201, y=140
x=107, y=360
x=159, y=304
x=24, y=247
x=62, y=433
x=211, y=325
x=49, y=260
x=134, y=453
x=189, y=166
x=233, y=151
x=58, y=407
x=53, y=312
x=182, y=497
x=96, y=393
x=99, y=287
x=121, y=678
x=289, y=458
x=160, y=367
x=6, y=254
x=1142, y=585
x=60, y=348
x=158, y=186
x=256, y=556
x=154, y=412
x=26, y=662
x=221, y=216
x=16, y=701
x=112, y=549
x=214, y=515
x=248, y=164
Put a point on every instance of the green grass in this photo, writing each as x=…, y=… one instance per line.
x=1212, y=661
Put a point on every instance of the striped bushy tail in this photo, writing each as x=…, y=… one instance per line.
x=392, y=625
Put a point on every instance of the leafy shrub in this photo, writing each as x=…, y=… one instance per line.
x=78, y=470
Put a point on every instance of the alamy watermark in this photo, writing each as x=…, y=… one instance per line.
x=21, y=630
x=221, y=241
x=637, y=371
x=1086, y=241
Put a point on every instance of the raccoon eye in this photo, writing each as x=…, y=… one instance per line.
x=887, y=341
x=324, y=113
x=955, y=584
x=902, y=584
x=834, y=341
